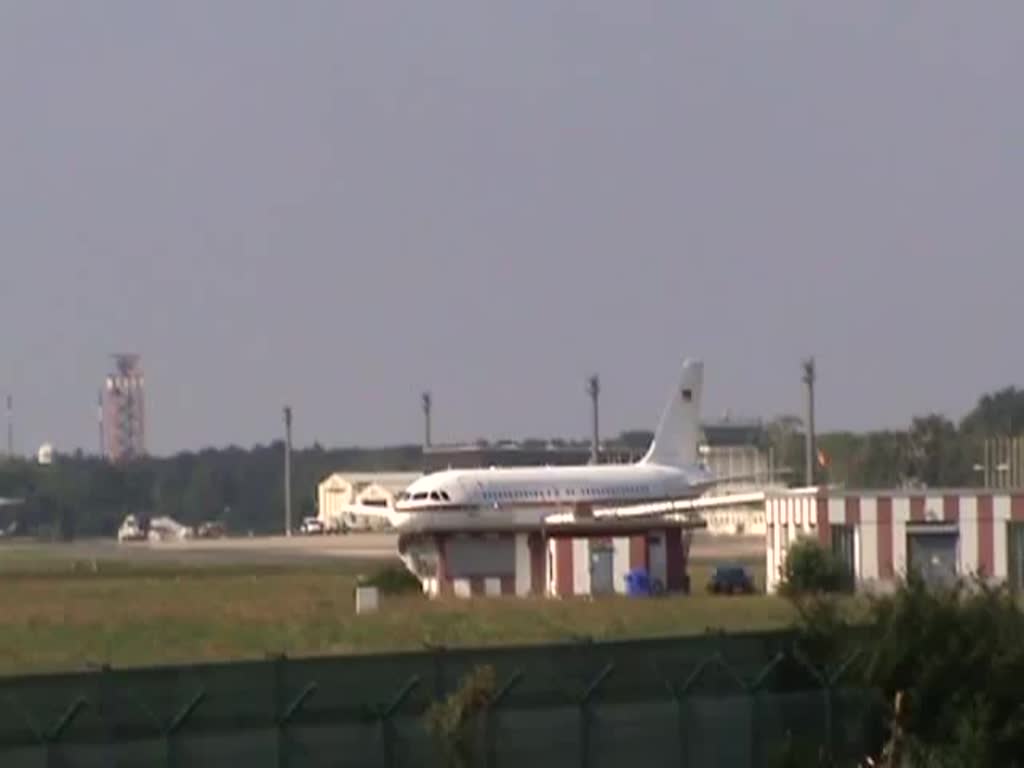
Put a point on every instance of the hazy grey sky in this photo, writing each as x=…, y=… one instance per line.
x=338, y=204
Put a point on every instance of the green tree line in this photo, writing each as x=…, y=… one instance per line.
x=931, y=451
x=244, y=488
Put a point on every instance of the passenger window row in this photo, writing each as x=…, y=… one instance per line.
x=621, y=491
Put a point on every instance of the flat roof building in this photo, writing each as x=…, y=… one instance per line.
x=881, y=535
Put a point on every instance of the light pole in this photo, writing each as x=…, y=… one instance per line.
x=10, y=426
x=594, y=390
x=428, y=403
x=809, y=376
x=287, y=470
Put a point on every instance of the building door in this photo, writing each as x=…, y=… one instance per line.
x=933, y=555
x=1015, y=556
x=843, y=547
x=602, y=570
x=657, y=565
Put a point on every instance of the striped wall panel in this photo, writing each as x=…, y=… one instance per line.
x=880, y=524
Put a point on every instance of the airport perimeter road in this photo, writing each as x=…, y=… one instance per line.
x=376, y=546
x=281, y=549
x=255, y=549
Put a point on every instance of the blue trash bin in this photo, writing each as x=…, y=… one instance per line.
x=638, y=583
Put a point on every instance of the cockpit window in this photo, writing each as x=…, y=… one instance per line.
x=444, y=495
x=434, y=496
x=419, y=496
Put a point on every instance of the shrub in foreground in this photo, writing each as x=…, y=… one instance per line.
x=456, y=722
x=393, y=580
x=951, y=659
x=957, y=655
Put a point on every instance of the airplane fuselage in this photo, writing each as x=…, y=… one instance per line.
x=518, y=498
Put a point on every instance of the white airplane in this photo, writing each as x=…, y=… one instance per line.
x=525, y=498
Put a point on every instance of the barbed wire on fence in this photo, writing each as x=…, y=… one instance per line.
x=285, y=700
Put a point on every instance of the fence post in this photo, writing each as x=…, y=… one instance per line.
x=439, y=670
x=586, y=715
x=683, y=692
x=279, y=660
x=826, y=688
x=679, y=699
x=284, y=713
x=52, y=736
x=29, y=721
x=492, y=740
x=176, y=724
x=832, y=679
x=755, y=689
x=384, y=715
x=105, y=709
x=128, y=694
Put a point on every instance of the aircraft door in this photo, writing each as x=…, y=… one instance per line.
x=472, y=494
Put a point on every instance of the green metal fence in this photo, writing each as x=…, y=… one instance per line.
x=704, y=701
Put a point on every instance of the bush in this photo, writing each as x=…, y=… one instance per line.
x=794, y=754
x=393, y=580
x=953, y=658
x=811, y=568
x=957, y=655
x=456, y=722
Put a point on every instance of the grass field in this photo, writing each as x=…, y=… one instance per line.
x=58, y=614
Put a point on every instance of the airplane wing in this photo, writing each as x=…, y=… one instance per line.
x=659, y=509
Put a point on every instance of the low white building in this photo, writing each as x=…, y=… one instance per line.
x=563, y=559
x=880, y=535
x=341, y=492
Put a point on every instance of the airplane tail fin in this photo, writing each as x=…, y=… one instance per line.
x=675, y=440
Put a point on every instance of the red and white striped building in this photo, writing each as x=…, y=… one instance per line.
x=564, y=562
x=984, y=530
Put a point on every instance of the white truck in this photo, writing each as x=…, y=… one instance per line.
x=130, y=530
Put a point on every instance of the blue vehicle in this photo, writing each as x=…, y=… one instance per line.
x=731, y=579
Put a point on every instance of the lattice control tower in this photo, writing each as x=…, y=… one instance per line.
x=123, y=410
